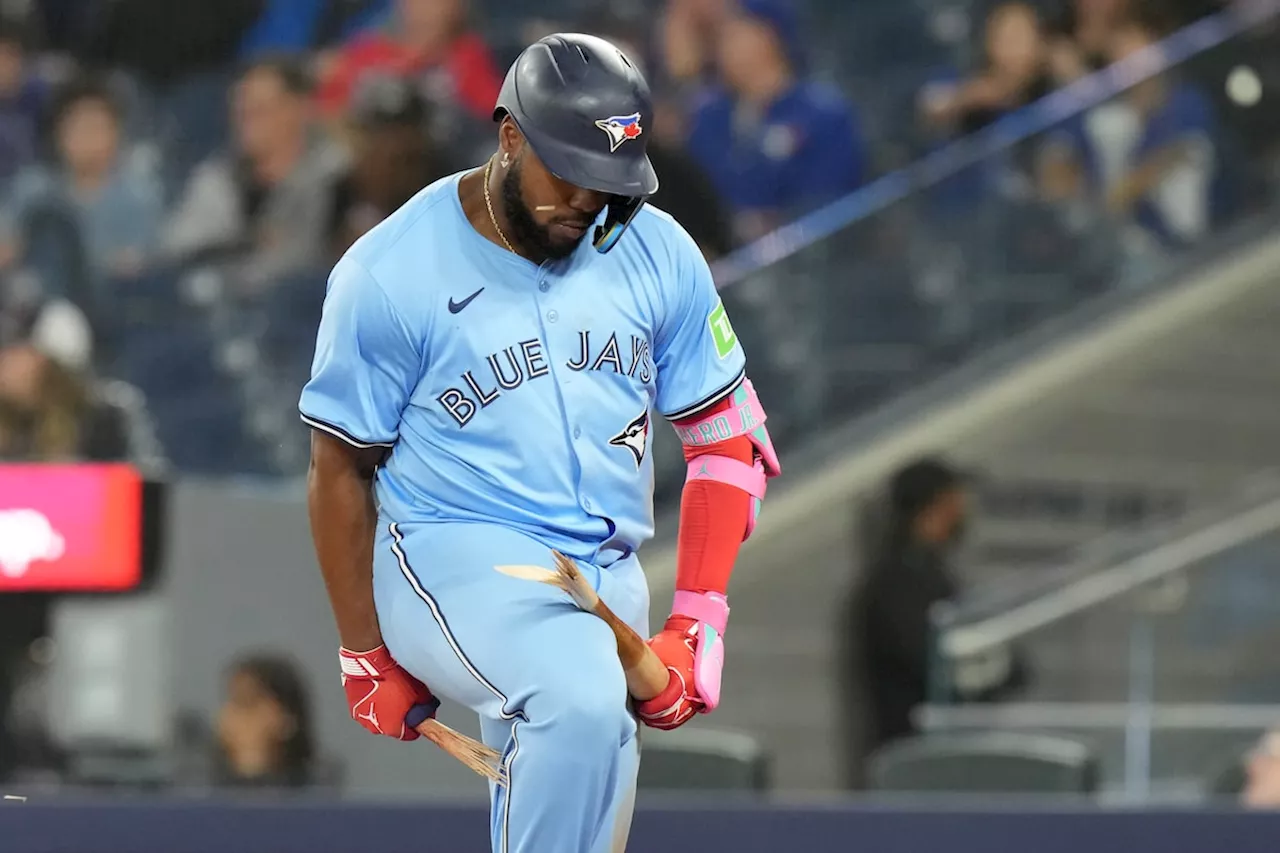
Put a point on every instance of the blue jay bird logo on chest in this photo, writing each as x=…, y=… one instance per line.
x=634, y=437
x=620, y=129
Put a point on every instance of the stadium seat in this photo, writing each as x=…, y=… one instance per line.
x=703, y=760
x=166, y=360
x=984, y=762
x=54, y=251
x=202, y=430
x=291, y=311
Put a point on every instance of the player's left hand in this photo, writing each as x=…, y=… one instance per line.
x=676, y=645
x=383, y=697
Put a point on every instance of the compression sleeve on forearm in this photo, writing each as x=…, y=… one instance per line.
x=713, y=517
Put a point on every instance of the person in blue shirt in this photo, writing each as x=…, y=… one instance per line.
x=97, y=180
x=1149, y=156
x=775, y=143
x=1013, y=69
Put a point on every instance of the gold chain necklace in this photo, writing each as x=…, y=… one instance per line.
x=488, y=203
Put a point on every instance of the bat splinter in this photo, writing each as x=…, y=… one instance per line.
x=482, y=759
x=646, y=673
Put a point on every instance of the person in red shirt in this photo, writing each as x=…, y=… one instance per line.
x=428, y=40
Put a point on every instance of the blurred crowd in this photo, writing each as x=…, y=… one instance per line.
x=175, y=179
x=173, y=186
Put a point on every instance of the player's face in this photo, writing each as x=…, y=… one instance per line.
x=548, y=217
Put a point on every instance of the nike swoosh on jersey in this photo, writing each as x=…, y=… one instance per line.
x=455, y=307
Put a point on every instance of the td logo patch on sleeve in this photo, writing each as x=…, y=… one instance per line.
x=721, y=330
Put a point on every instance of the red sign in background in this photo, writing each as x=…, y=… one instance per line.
x=70, y=527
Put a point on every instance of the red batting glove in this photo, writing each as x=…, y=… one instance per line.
x=381, y=694
x=675, y=645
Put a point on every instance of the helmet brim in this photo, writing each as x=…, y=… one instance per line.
x=618, y=173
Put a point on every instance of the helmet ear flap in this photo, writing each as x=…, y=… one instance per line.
x=621, y=210
x=607, y=235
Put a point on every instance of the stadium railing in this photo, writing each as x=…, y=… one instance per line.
x=1157, y=646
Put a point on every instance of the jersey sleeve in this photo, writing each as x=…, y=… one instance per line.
x=366, y=366
x=696, y=351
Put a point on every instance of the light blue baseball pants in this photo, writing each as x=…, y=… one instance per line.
x=543, y=675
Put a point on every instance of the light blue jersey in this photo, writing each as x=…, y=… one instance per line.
x=513, y=393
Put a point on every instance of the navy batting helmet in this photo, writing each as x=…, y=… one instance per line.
x=584, y=108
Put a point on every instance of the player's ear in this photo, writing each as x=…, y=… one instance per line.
x=510, y=141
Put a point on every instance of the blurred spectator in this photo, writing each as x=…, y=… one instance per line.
x=113, y=199
x=1082, y=34
x=297, y=25
x=267, y=205
x=51, y=408
x=44, y=411
x=775, y=145
x=28, y=313
x=1149, y=156
x=1012, y=72
x=909, y=544
x=430, y=42
x=1083, y=42
x=22, y=99
x=25, y=657
x=688, y=35
x=264, y=727
x=684, y=188
x=1262, y=774
x=23, y=619
x=393, y=158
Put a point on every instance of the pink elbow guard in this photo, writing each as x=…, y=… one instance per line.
x=744, y=417
x=710, y=610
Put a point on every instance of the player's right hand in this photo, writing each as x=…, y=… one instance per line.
x=381, y=694
x=676, y=646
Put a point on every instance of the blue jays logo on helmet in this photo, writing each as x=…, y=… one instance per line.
x=634, y=437
x=620, y=129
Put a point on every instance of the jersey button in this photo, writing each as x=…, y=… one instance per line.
x=544, y=287
x=586, y=504
x=577, y=432
x=552, y=316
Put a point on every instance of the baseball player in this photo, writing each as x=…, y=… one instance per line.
x=486, y=370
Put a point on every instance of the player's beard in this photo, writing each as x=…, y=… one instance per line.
x=535, y=241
